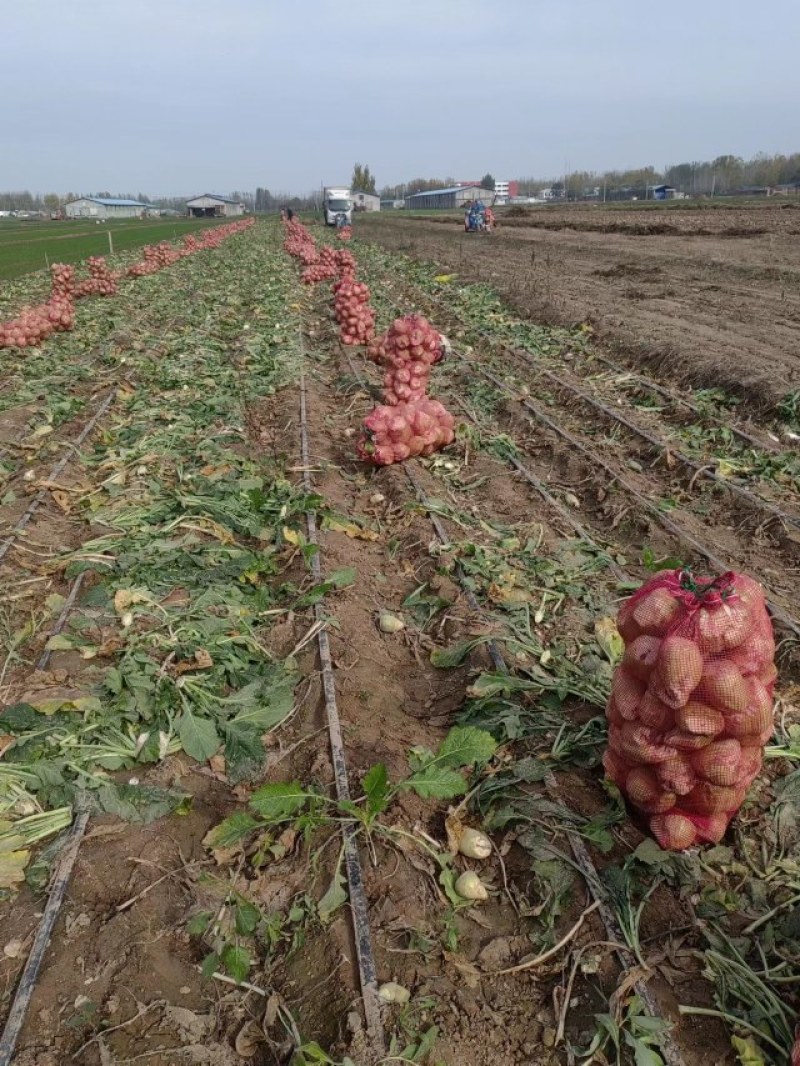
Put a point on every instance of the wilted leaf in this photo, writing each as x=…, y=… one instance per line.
x=747, y=1052
x=333, y=899
x=608, y=637
x=350, y=529
x=12, y=867
x=448, y=658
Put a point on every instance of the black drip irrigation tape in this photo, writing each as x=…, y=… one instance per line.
x=539, y=486
x=58, y=887
x=355, y=877
x=669, y=1049
x=41, y=495
x=677, y=531
x=30, y=972
x=755, y=502
x=682, y=401
x=752, y=500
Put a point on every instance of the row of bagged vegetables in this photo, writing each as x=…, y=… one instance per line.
x=36, y=323
x=409, y=422
x=690, y=710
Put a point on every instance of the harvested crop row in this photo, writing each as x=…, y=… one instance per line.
x=35, y=324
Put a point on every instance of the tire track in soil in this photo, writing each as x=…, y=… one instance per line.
x=499, y=499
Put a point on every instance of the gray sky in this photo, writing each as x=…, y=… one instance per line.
x=186, y=96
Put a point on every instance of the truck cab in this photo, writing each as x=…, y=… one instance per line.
x=337, y=202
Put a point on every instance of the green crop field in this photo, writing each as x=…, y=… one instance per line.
x=27, y=246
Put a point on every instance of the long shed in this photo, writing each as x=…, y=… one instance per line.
x=454, y=197
x=209, y=205
x=103, y=207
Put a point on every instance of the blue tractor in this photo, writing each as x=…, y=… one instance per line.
x=478, y=219
x=475, y=217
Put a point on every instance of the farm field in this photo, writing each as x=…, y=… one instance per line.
x=708, y=297
x=26, y=246
x=185, y=528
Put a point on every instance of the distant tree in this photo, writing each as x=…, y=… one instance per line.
x=487, y=182
x=362, y=180
x=52, y=201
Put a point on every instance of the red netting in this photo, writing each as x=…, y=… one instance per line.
x=691, y=702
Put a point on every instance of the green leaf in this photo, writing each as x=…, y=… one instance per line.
x=436, y=782
x=199, y=737
x=448, y=658
x=644, y=1055
x=236, y=961
x=210, y=964
x=141, y=804
x=279, y=800
x=198, y=923
x=376, y=788
x=340, y=579
x=244, y=752
x=270, y=708
x=333, y=899
x=230, y=831
x=21, y=718
x=465, y=745
x=246, y=917
x=426, y=1044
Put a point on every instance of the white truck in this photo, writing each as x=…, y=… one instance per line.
x=337, y=201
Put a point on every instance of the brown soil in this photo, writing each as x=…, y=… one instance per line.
x=121, y=955
x=715, y=299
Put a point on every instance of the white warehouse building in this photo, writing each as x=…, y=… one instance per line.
x=104, y=207
x=366, y=201
x=209, y=205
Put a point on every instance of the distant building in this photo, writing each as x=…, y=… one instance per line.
x=366, y=201
x=103, y=207
x=392, y=205
x=501, y=189
x=454, y=197
x=209, y=205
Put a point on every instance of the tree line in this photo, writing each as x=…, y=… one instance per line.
x=725, y=175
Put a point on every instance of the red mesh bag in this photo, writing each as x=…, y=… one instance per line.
x=690, y=709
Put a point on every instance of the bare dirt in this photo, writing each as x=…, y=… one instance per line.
x=708, y=297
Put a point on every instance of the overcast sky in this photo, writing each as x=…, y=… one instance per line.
x=186, y=96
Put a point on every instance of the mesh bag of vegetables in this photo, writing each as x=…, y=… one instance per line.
x=690, y=709
x=393, y=433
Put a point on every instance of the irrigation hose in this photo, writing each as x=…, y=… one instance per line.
x=669, y=1048
x=355, y=878
x=40, y=496
x=30, y=972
